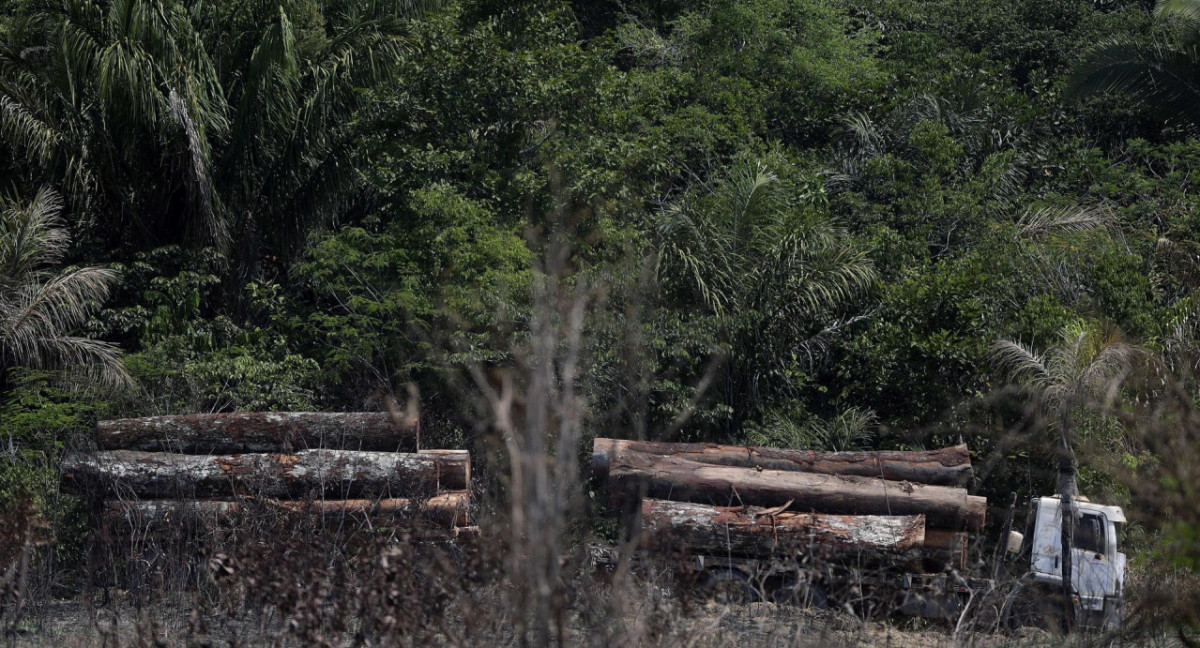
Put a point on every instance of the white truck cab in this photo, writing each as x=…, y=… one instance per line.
x=1097, y=565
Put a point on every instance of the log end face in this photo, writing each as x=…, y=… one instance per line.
x=601, y=462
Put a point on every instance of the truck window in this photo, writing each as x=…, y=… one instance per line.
x=1089, y=533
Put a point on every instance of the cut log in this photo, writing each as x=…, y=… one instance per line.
x=946, y=539
x=720, y=531
x=449, y=509
x=679, y=479
x=257, y=432
x=946, y=467
x=945, y=549
x=336, y=473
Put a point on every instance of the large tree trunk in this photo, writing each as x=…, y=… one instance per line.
x=743, y=531
x=448, y=509
x=257, y=432
x=334, y=473
x=678, y=479
x=948, y=466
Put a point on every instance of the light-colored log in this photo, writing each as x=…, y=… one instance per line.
x=332, y=473
x=947, y=466
x=745, y=532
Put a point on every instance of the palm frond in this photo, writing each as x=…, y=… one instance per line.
x=31, y=236
x=1103, y=359
x=1186, y=10
x=269, y=105
x=59, y=304
x=200, y=184
x=817, y=270
x=690, y=248
x=1021, y=363
x=39, y=306
x=749, y=191
x=851, y=429
x=1161, y=75
x=1077, y=218
x=25, y=131
x=128, y=79
x=862, y=134
x=92, y=363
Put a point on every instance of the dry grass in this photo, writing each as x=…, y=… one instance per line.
x=292, y=581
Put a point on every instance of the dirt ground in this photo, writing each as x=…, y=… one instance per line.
x=76, y=624
x=770, y=625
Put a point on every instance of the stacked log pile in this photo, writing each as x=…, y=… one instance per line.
x=759, y=502
x=155, y=471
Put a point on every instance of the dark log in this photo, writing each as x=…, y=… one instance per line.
x=945, y=549
x=336, y=473
x=947, y=466
x=464, y=535
x=946, y=539
x=744, y=531
x=448, y=509
x=452, y=508
x=235, y=432
x=678, y=479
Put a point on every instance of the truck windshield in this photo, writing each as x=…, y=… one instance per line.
x=1089, y=533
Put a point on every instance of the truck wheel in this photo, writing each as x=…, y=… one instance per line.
x=1031, y=608
x=805, y=594
x=728, y=586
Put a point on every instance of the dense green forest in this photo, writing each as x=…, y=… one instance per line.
x=803, y=223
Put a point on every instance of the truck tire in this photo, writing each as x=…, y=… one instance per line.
x=805, y=594
x=726, y=585
x=1031, y=606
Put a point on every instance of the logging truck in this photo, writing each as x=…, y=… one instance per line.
x=857, y=529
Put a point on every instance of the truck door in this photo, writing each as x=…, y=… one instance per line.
x=1092, y=558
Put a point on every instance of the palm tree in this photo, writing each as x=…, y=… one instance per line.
x=40, y=305
x=774, y=275
x=1083, y=370
x=228, y=124
x=1163, y=73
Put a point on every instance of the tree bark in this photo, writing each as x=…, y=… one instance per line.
x=679, y=479
x=947, y=466
x=336, y=473
x=257, y=432
x=745, y=532
x=450, y=509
